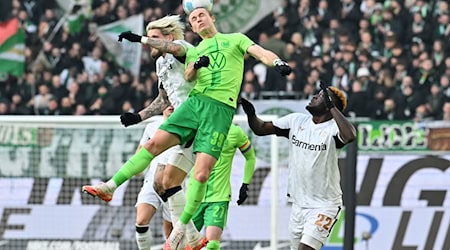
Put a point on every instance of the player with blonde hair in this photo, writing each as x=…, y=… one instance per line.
x=314, y=179
x=173, y=90
x=206, y=116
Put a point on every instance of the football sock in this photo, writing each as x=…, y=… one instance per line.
x=111, y=185
x=195, y=194
x=143, y=237
x=177, y=201
x=136, y=164
x=213, y=245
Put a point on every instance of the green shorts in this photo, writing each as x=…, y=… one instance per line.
x=211, y=214
x=204, y=119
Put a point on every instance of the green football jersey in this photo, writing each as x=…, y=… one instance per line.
x=222, y=79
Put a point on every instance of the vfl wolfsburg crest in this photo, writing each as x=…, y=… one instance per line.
x=241, y=15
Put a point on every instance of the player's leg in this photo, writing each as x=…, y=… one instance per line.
x=213, y=120
x=209, y=140
x=161, y=141
x=296, y=226
x=215, y=220
x=174, y=175
x=167, y=223
x=195, y=193
x=144, y=213
x=167, y=226
x=146, y=205
x=317, y=227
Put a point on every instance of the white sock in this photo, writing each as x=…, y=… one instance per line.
x=111, y=185
x=144, y=240
x=176, y=206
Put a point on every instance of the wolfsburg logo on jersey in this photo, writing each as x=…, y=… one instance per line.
x=305, y=145
x=218, y=61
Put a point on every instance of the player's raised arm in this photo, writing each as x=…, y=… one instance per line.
x=347, y=131
x=163, y=45
x=258, y=126
x=156, y=107
x=270, y=59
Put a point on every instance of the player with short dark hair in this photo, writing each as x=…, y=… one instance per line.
x=314, y=178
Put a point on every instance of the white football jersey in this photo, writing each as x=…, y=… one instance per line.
x=170, y=73
x=313, y=161
x=162, y=158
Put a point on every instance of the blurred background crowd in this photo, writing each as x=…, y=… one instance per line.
x=392, y=58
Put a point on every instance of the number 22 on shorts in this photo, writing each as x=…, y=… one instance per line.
x=324, y=222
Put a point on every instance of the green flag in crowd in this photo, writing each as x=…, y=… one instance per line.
x=12, y=48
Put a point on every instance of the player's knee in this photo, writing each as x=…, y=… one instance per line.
x=166, y=183
x=154, y=147
x=201, y=176
x=213, y=245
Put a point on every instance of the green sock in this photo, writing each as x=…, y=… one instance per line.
x=194, y=196
x=213, y=245
x=133, y=166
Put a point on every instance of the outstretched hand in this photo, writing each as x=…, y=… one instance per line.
x=328, y=101
x=243, y=194
x=248, y=107
x=130, y=36
x=282, y=67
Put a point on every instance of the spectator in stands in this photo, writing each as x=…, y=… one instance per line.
x=408, y=98
x=357, y=101
x=408, y=38
x=445, y=115
x=434, y=101
x=390, y=111
x=57, y=89
x=52, y=107
x=250, y=86
x=425, y=77
x=376, y=104
x=419, y=28
x=66, y=106
x=341, y=79
x=41, y=100
x=18, y=107
x=93, y=63
x=444, y=82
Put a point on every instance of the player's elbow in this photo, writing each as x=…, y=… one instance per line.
x=349, y=136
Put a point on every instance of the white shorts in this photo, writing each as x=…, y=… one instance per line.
x=182, y=158
x=311, y=226
x=148, y=195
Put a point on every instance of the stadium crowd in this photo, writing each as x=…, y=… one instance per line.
x=392, y=58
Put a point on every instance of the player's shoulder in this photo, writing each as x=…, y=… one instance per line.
x=296, y=116
x=183, y=43
x=234, y=35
